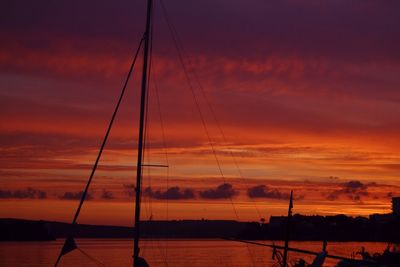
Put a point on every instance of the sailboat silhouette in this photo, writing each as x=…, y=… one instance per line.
x=70, y=244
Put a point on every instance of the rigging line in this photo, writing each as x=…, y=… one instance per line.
x=213, y=113
x=147, y=104
x=146, y=143
x=151, y=69
x=139, y=168
x=165, y=150
x=179, y=47
x=99, y=263
x=106, y=135
x=103, y=144
x=175, y=40
x=146, y=146
x=171, y=29
x=155, y=86
x=210, y=107
x=137, y=260
x=222, y=134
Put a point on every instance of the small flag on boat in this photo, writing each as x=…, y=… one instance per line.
x=291, y=202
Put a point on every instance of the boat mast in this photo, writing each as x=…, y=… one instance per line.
x=286, y=249
x=140, y=136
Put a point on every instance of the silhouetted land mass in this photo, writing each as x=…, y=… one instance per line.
x=384, y=228
x=378, y=227
x=23, y=230
x=19, y=230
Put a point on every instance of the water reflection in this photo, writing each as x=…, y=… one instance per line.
x=178, y=253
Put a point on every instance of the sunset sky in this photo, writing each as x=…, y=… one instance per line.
x=294, y=95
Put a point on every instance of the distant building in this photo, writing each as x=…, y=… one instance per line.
x=381, y=218
x=396, y=205
x=277, y=221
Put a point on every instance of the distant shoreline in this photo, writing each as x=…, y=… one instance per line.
x=304, y=228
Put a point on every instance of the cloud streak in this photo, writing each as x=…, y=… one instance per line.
x=263, y=191
x=29, y=193
x=129, y=189
x=75, y=196
x=105, y=194
x=222, y=191
x=353, y=190
x=172, y=193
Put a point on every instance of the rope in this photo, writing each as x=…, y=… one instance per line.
x=210, y=107
x=224, y=137
x=107, y=134
x=166, y=155
x=177, y=46
x=151, y=71
x=146, y=142
x=146, y=146
x=180, y=51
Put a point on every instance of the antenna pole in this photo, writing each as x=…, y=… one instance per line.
x=136, y=261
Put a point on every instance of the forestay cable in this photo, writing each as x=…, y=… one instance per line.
x=70, y=245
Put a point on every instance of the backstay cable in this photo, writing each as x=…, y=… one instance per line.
x=180, y=52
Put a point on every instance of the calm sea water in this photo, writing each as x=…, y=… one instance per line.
x=179, y=253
